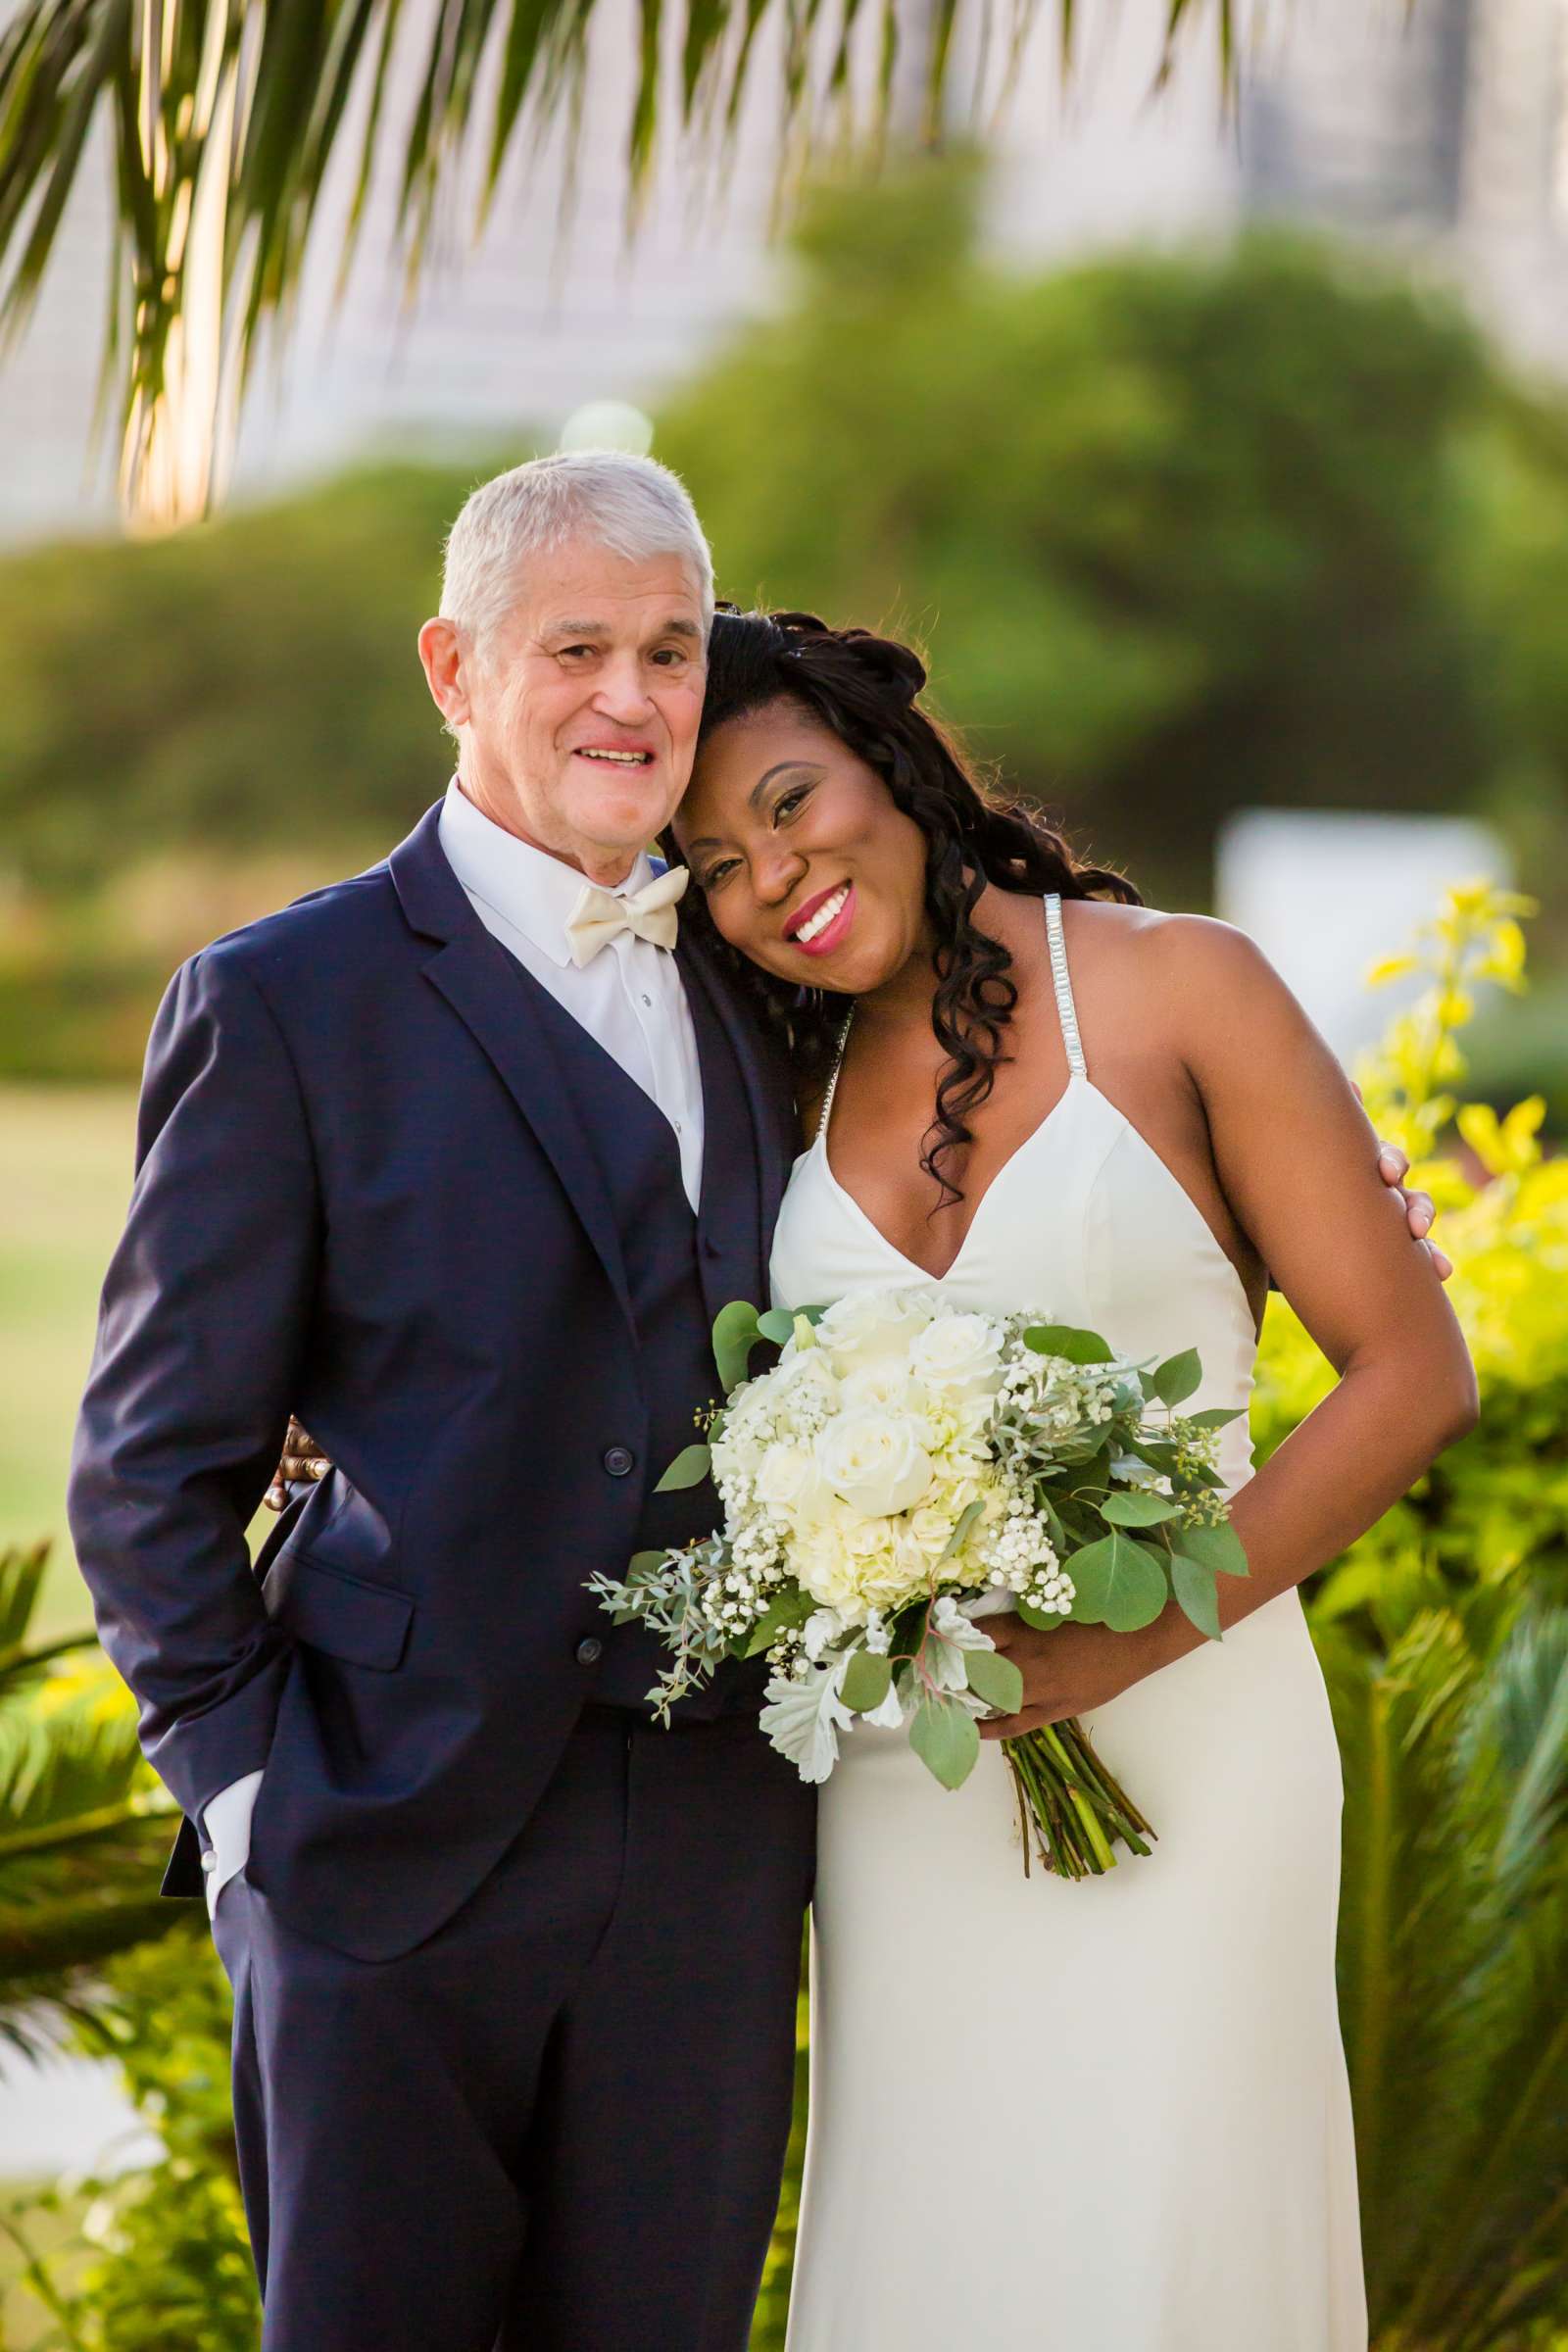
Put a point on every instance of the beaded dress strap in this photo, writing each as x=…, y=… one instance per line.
x=1064, y=1003
x=833, y=1079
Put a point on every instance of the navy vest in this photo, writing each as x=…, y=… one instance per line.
x=682, y=1268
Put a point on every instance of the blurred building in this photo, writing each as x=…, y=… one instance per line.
x=1441, y=126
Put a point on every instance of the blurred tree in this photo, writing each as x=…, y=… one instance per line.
x=250, y=686
x=1262, y=525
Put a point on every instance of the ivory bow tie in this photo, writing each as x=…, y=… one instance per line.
x=598, y=916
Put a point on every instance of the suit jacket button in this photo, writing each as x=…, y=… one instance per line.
x=618, y=1460
x=590, y=1650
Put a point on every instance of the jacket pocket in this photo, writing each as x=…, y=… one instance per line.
x=366, y=1625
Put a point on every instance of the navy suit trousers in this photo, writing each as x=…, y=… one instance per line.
x=558, y=2124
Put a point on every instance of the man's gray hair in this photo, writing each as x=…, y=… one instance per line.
x=632, y=507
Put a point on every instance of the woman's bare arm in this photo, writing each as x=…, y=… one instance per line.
x=1293, y=1151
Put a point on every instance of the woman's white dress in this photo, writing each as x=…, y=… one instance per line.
x=1111, y=2116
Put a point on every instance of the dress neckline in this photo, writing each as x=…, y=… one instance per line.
x=1079, y=1087
x=1077, y=1072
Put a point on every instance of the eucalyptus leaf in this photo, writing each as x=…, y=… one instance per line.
x=1177, y=1377
x=906, y=1631
x=1138, y=1509
x=1066, y=1339
x=1194, y=1586
x=644, y=1564
x=736, y=1330
x=996, y=1680
x=1216, y=1548
x=776, y=1325
x=1043, y=1621
x=1217, y=1416
x=689, y=1469
x=942, y=1735
x=1117, y=1583
x=865, y=1683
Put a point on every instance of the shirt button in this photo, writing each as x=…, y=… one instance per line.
x=208, y=1861
x=619, y=1460
x=590, y=1650
x=648, y=1000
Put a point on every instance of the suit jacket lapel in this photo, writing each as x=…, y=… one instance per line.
x=511, y=1018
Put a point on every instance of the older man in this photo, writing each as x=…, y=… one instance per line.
x=461, y=1156
x=458, y=1156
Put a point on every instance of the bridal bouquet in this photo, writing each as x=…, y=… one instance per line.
x=905, y=1470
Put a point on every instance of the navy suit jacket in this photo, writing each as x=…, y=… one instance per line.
x=363, y=1193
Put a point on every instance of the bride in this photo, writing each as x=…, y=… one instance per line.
x=1111, y=2116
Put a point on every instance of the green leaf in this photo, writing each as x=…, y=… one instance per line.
x=644, y=1563
x=995, y=1679
x=1066, y=1339
x=689, y=1469
x=776, y=1325
x=790, y=1607
x=942, y=1735
x=1216, y=1417
x=1138, y=1511
x=1043, y=1621
x=1177, y=1377
x=867, y=1682
x=1218, y=1547
x=1194, y=1586
x=736, y=1329
x=961, y=1529
x=1117, y=1583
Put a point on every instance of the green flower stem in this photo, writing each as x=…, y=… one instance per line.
x=1112, y=1798
x=1078, y=1810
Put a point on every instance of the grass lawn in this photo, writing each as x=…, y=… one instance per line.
x=65, y=1178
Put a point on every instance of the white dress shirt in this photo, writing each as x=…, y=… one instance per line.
x=630, y=999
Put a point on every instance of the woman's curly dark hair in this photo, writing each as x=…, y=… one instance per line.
x=863, y=689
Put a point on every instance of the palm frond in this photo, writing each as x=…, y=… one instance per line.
x=21, y=1573
x=83, y=1824
x=223, y=117
x=1453, y=1954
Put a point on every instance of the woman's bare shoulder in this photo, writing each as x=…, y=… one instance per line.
x=1177, y=946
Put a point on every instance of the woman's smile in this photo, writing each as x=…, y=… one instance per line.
x=822, y=922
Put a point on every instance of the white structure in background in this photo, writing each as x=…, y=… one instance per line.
x=1443, y=127
x=68, y=2115
x=1326, y=895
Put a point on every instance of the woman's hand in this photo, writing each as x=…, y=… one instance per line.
x=303, y=1461
x=1076, y=1668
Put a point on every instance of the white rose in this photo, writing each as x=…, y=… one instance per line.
x=872, y=1323
x=959, y=1351
x=883, y=1385
x=806, y=1379
x=783, y=1475
x=876, y=1461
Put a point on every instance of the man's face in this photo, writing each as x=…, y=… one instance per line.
x=577, y=717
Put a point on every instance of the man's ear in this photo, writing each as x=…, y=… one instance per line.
x=444, y=660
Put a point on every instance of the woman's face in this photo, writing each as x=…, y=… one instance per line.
x=808, y=866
